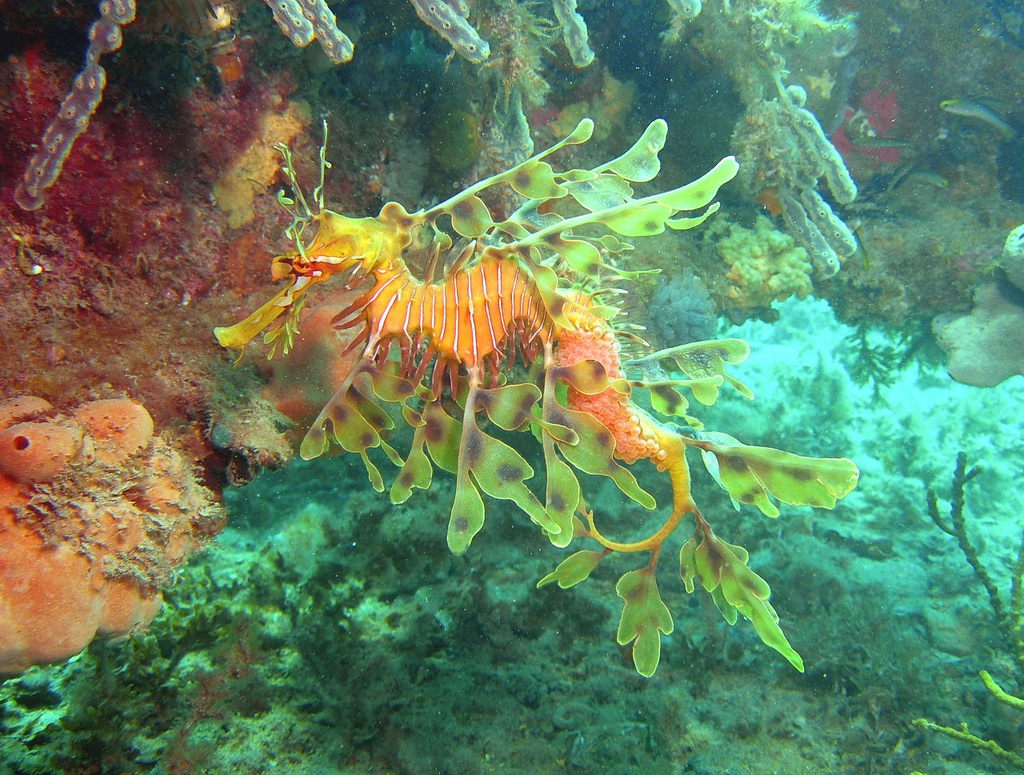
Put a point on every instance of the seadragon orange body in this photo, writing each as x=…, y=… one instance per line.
x=442, y=351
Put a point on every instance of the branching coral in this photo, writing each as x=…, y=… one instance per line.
x=876, y=359
x=1009, y=619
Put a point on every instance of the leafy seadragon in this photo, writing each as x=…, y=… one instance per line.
x=440, y=351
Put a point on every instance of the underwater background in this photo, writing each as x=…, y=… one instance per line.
x=180, y=591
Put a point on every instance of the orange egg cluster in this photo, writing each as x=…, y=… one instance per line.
x=635, y=434
x=95, y=514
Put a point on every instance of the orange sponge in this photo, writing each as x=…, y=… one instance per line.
x=22, y=408
x=37, y=451
x=306, y=378
x=87, y=539
x=119, y=427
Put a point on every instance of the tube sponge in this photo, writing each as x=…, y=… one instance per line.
x=95, y=515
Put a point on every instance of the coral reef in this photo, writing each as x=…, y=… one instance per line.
x=765, y=265
x=782, y=148
x=95, y=515
x=784, y=151
x=329, y=629
x=301, y=21
x=77, y=107
x=360, y=655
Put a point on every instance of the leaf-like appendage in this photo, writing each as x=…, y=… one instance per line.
x=668, y=401
x=573, y=569
x=467, y=515
x=349, y=428
x=583, y=257
x=283, y=331
x=685, y=224
x=442, y=432
x=609, y=203
x=470, y=217
x=700, y=192
x=702, y=362
x=509, y=407
x=535, y=180
x=594, y=452
x=613, y=244
x=497, y=468
x=314, y=443
x=390, y=386
x=641, y=220
x=371, y=412
x=644, y=617
x=589, y=377
x=417, y=472
x=547, y=283
x=750, y=474
x=357, y=423
x=502, y=472
x=640, y=163
x=372, y=472
x=723, y=571
x=665, y=399
x=562, y=494
x=583, y=132
x=601, y=193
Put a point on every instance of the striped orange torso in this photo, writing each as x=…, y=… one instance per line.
x=470, y=315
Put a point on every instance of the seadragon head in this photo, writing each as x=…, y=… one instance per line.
x=326, y=245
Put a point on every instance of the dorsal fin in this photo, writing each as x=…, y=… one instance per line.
x=460, y=260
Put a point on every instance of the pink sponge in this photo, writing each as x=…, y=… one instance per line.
x=987, y=346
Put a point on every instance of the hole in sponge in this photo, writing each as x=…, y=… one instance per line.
x=21, y=443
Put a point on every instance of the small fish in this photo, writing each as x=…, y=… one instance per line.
x=880, y=142
x=927, y=178
x=980, y=111
x=861, y=252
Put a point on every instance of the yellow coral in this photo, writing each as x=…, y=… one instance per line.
x=765, y=265
x=608, y=109
x=256, y=169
